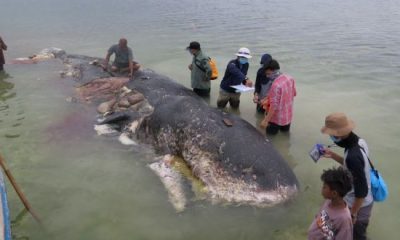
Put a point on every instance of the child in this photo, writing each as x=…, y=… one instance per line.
x=333, y=221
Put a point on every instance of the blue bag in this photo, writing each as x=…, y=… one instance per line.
x=378, y=186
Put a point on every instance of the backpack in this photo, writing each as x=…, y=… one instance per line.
x=214, y=69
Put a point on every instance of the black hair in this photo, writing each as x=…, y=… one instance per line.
x=272, y=65
x=338, y=179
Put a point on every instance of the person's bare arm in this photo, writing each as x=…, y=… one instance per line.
x=107, y=60
x=130, y=68
x=328, y=153
x=267, y=117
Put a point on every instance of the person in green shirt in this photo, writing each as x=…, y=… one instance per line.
x=200, y=70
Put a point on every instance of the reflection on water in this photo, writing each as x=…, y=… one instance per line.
x=90, y=187
x=6, y=94
x=5, y=87
x=19, y=218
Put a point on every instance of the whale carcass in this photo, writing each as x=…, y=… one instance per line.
x=236, y=164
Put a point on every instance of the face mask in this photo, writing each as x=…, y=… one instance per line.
x=335, y=139
x=243, y=60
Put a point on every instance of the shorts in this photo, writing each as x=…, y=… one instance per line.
x=225, y=97
x=273, y=129
x=120, y=65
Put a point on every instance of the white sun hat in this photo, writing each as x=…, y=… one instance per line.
x=243, y=52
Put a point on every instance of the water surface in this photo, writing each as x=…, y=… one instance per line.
x=343, y=54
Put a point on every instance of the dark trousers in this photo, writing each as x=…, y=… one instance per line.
x=273, y=129
x=202, y=92
x=360, y=227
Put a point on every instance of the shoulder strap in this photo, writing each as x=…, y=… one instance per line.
x=196, y=61
x=370, y=163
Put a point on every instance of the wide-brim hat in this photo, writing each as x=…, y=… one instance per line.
x=338, y=125
x=243, y=52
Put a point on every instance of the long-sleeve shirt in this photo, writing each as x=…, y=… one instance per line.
x=235, y=74
x=201, y=71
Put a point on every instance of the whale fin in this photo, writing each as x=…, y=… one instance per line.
x=172, y=181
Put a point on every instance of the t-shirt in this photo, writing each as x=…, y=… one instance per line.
x=331, y=224
x=121, y=55
x=356, y=161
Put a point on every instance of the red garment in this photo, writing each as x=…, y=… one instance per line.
x=280, y=98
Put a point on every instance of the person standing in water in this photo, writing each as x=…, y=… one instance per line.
x=200, y=70
x=333, y=221
x=3, y=46
x=278, y=104
x=263, y=84
x=235, y=74
x=359, y=200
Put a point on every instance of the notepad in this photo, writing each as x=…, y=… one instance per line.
x=242, y=88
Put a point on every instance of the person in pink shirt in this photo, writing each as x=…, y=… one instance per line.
x=333, y=220
x=279, y=103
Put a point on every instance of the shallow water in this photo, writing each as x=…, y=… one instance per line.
x=343, y=54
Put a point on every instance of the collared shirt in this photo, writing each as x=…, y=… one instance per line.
x=281, y=96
